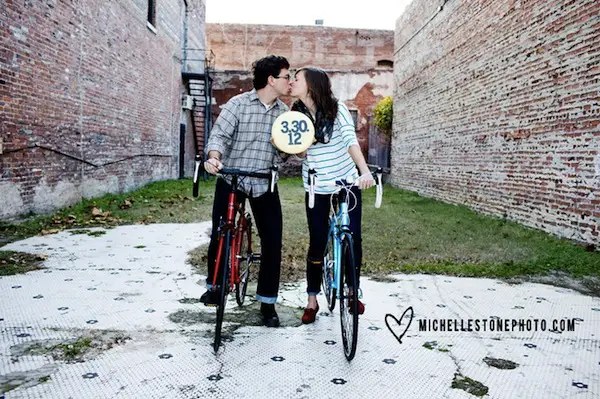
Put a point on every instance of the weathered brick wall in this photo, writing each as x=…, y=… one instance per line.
x=359, y=90
x=358, y=61
x=90, y=98
x=497, y=106
x=236, y=46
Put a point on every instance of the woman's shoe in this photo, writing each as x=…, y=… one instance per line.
x=359, y=305
x=310, y=315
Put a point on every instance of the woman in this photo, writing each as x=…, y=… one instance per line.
x=335, y=155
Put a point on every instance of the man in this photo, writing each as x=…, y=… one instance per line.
x=240, y=139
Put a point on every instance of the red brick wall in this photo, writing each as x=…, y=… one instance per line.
x=236, y=46
x=497, y=106
x=90, y=98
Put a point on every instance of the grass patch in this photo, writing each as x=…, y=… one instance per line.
x=430, y=345
x=414, y=234
x=409, y=233
x=469, y=385
x=12, y=262
x=91, y=233
x=159, y=202
x=69, y=352
x=74, y=350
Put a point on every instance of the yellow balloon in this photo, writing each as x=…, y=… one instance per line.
x=293, y=132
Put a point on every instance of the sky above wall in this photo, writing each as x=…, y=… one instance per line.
x=369, y=14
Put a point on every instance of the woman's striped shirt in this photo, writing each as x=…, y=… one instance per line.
x=332, y=160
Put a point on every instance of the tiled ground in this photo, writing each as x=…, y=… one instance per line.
x=132, y=294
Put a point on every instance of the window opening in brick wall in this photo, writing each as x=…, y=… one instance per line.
x=385, y=64
x=152, y=12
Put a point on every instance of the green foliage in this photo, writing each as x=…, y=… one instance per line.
x=383, y=114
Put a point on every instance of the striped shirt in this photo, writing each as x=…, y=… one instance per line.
x=332, y=160
x=242, y=135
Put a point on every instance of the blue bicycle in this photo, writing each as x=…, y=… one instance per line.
x=339, y=268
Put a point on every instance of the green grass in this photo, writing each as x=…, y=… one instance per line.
x=69, y=352
x=423, y=235
x=12, y=262
x=160, y=202
x=409, y=233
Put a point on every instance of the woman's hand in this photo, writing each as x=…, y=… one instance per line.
x=213, y=165
x=366, y=180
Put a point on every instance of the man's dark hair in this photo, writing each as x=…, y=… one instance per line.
x=265, y=67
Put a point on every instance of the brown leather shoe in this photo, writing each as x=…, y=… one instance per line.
x=310, y=315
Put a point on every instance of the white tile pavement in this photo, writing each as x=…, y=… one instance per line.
x=129, y=283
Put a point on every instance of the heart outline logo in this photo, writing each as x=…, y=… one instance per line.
x=399, y=322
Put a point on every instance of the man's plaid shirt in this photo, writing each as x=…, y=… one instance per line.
x=242, y=135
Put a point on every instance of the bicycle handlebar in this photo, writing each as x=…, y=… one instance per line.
x=272, y=175
x=243, y=173
x=341, y=184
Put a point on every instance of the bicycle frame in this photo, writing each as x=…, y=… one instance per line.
x=233, y=207
x=339, y=225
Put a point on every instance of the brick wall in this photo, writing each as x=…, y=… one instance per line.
x=90, y=98
x=236, y=46
x=358, y=61
x=497, y=106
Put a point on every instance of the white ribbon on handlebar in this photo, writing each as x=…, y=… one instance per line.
x=379, y=188
x=273, y=178
x=197, y=171
x=311, y=192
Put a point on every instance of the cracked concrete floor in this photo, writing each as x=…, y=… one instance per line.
x=117, y=316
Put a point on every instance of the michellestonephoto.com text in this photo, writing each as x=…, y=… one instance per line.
x=497, y=325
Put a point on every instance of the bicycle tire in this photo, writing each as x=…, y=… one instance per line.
x=223, y=293
x=348, y=298
x=327, y=275
x=245, y=260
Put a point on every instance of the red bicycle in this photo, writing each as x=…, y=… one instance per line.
x=234, y=253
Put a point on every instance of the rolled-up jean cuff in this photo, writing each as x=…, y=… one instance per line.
x=313, y=293
x=266, y=299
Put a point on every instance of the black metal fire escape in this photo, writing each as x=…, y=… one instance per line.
x=199, y=86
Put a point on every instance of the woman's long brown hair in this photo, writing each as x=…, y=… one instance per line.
x=319, y=90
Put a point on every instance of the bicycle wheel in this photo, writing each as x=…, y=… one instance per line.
x=348, y=298
x=244, y=261
x=327, y=274
x=224, y=289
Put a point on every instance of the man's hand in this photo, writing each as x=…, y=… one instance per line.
x=366, y=180
x=213, y=165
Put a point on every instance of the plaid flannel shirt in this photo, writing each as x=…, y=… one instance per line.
x=242, y=134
